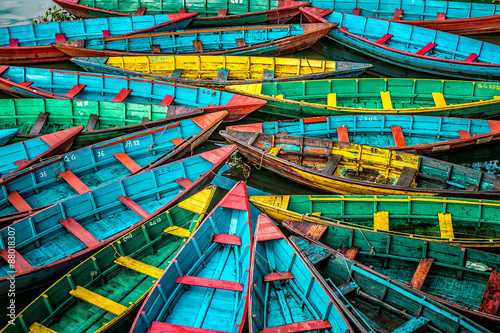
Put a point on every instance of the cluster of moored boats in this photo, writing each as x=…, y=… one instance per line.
x=102, y=190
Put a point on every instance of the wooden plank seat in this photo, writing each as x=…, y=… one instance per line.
x=26, y=83
x=222, y=13
x=39, y=328
x=209, y=283
x=106, y=33
x=227, y=239
x=20, y=264
x=167, y=100
x=426, y=48
x=18, y=202
x=182, y=10
x=384, y=38
x=303, y=326
x=141, y=11
x=439, y=99
x=343, y=134
x=178, y=231
x=61, y=37
x=414, y=325
x=98, y=300
x=441, y=16
x=39, y=123
x=406, y=177
x=159, y=327
x=77, y=88
x=13, y=42
x=139, y=266
x=74, y=182
x=176, y=73
x=134, y=206
x=268, y=74
x=120, y=97
x=352, y=252
x=198, y=46
x=127, y=162
x=464, y=134
x=356, y=11
x=80, y=232
x=91, y=123
x=222, y=74
x=240, y=42
x=491, y=297
x=385, y=96
x=184, y=182
x=471, y=57
x=331, y=164
x=381, y=221
x=3, y=69
x=446, y=225
x=398, y=14
x=421, y=272
x=397, y=134
x=346, y=288
x=278, y=276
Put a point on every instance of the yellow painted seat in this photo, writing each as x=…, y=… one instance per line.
x=139, y=266
x=98, y=300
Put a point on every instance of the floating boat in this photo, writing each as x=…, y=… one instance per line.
x=30, y=43
x=454, y=17
x=348, y=168
x=31, y=118
x=270, y=40
x=18, y=156
x=281, y=279
x=7, y=134
x=369, y=96
x=440, y=271
x=415, y=134
x=420, y=49
x=53, y=240
x=383, y=304
x=59, y=84
x=117, y=278
x=211, y=13
x=471, y=223
x=80, y=171
x=220, y=71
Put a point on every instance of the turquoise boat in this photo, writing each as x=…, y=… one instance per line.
x=281, y=279
x=80, y=171
x=51, y=241
x=206, y=286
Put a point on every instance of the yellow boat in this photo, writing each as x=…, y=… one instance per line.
x=221, y=70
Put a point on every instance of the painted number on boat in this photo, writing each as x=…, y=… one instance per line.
x=68, y=158
x=155, y=221
x=490, y=86
x=368, y=118
x=42, y=174
x=100, y=153
x=236, y=1
x=84, y=103
x=158, y=59
x=130, y=143
x=126, y=238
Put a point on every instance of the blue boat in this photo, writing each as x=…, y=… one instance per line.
x=282, y=279
x=205, y=287
x=82, y=170
x=30, y=43
x=420, y=49
x=20, y=155
x=53, y=240
x=7, y=134
x=60, y=84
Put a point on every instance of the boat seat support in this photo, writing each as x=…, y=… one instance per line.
x=98, y=300
x=80, y=232
x=209, y=283
x=39, y=123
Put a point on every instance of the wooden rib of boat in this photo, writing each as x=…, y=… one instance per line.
x=270, y=40
x=52, y=240
x=209, y=278
x=429, y=97
x=220, y=71
x=126, y=271
x=6, y=135
x=348, y=168
x=30, y=43
x=454, y=17
x=85, y=169
x=58, y=84
x=415, y=134
x=420, y=49
x=33, y=117
x=20, y=155
x=440, y=271
x=211, y=13
x=382, y=304
x=282, y=280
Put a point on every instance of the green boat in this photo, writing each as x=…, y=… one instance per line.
x=105, y=289
x=373, y=96
x=459, y=278
x=102, y=120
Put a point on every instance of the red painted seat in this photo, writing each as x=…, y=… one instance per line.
x=20, y=264
x=384, y=38
x=3, y=69
x=75, y=90
x=128, y=162
x=182, y=10
x=421, y=273
x=426, y=48
x=158, y=327
x=491, y=296
x=167, y=100
x=74, y=182
x=464, y=134
x=227, y=239
x=39, y=123
x=304, y=326
x=80, y=232
x=209, y=283
x=441, y=16
x=278, y=276
x=398, y=13
x=184, y=182
x=222, y=12
x=134, y=206
x=13, y=43
x=18, y=202
x=343, y=134
x=120, y=97
x=471, y=57
x=106, y=33
x=141, y=11
x=356, y=11
x=61, y=37
x=397, y=134
x=26, y=83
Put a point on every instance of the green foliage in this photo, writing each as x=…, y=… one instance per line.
x=55, y=15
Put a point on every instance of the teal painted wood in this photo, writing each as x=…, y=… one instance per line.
x=46, y=248
x=203, y=256
x=6, y=135
x=296, y=296
x=47, y=183
x=386, y=302
x=413, y=47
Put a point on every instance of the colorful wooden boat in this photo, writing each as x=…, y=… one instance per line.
x=470, y=223
x=85, y=169
x=51, y=241
x=117, y=278
x=220, y=71
x=205, y=287
x=7, y=134
x=30, y=43
x=32, y=117
x=348, y=168
x=442, y=272
x=381, y=303
x=415, y=134
x=58, y=84
x=211, y=13
x=18, y=156
x=420, y=49
x=429, y=97
x=454, y=17
x=270, y=40
x=281, y=279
